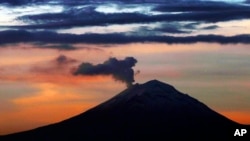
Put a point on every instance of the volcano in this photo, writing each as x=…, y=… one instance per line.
x=150, y=111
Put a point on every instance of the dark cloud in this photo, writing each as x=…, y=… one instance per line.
x=191, y=26
x=172, y=28
x=28, y=2
x=68, y=20
x=120, y=70
x=61, y=64
x=128, y=18
x=64, y=60
x=211, y=27
x=40, y=39
x=14, y=2
x=57, y=46
x=46, y=18
x=87, y=16
x=44, y=37
x=21, y=2
x=199, y=6
x=70, y=2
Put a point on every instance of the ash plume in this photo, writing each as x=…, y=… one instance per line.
x=120, y=70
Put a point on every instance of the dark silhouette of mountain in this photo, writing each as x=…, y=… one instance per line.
x=149, y=111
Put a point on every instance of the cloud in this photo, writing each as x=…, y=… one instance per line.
x=128, y=18
x=55, y=46
x=200, y=6
x=24, y=2
x=64, y=60
x=191, y=26
x=68, y=20
x=211, y=27
x=73, y=16
x=21, y=2
x=70, y=17
x=61, y=64
x=172, y=28
x=120, y=70
x=45, y=37
x=14, y=2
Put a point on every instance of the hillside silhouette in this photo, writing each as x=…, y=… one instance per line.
x=150, y=111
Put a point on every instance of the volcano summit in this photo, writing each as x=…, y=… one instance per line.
x=149, y=111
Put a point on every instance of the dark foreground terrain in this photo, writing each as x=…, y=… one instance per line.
x=150, y=111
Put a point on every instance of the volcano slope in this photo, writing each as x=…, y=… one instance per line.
x=150, y=111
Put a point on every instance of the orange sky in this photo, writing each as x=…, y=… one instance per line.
x=30, y=99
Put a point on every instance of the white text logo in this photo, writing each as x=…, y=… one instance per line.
x=240, y=132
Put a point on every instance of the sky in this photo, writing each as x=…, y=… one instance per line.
x=59, y=58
